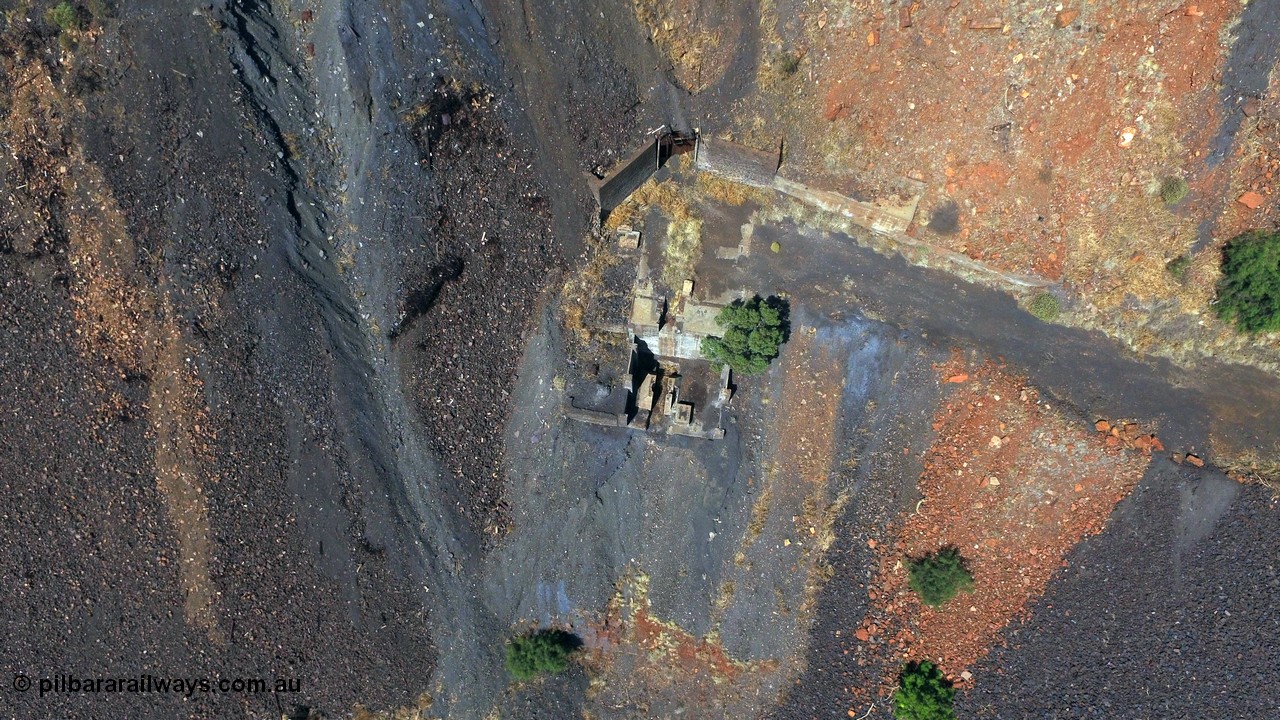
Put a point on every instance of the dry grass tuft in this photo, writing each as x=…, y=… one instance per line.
x=1250, y=468
x=628, y=213
x=682, y=251
x=819, y=524
x=724, y=191
x=665, y=197
x=759, y=514
x=580, y=288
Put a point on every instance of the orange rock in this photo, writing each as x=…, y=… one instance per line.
x=872, y=543
x=1251, y=200
x=1079, y=487
x=1102, y=426
x=1065, y=18
x=959, y=378
x=862, y=634
x=873, y=37
x=1156, y=444
x=1195, y=460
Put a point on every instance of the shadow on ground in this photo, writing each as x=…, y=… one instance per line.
x=1168, y=613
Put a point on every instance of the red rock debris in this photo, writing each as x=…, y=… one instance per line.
x=1128, y=435
x=1251, y=200
x=1013, y=509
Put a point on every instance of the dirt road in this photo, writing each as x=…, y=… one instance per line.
x=1215, y=407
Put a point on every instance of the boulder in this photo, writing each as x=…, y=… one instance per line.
x=1251, y=200
x=1065, y=18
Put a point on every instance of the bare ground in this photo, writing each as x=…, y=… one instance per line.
x=264, y=311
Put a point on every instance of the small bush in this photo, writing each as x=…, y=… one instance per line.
x=1178, y=266
x=543, y=651
x=1249, y=291
x=923, y=694
x=786, y=63
x=938, y=577
x=66, y=16
x=1172, y=190
x=1045, y=306
x=754, y=330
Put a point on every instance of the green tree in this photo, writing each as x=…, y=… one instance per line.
x=66, y=16
x=1249, y=291
x=938, y=577
x=1045, y=306
x=923, y=694
x=765, y=341
x=542, y=651
x=754, y=331
x=772, y=315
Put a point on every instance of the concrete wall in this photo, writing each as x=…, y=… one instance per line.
x=738, y=163
x=594, y=417
x=617, y=186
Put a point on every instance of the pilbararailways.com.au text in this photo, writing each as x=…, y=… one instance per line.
x=69, y=684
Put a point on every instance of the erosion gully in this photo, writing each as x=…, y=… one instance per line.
x=341, y=107
x=335, y=126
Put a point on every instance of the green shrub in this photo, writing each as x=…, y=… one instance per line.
x=754, y=330
x=923, y=694
x=1178, y=266
x=1249, y=291
x=1045, y=306
x=66, y=16
x=542, y=651
x=786, y=63
x=938, y=577
x=1172, y=190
